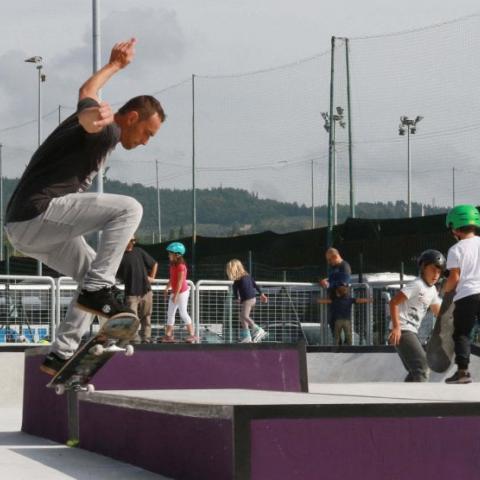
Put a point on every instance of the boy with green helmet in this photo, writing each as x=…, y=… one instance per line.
x=463, y=263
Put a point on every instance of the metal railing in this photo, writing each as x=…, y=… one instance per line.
x=291, y=313
x=66, y=288
x=31, y=308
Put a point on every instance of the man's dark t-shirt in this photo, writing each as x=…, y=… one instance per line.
x=133, y=271
x=66, y=162
x=334, y=270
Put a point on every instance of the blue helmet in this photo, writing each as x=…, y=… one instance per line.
x=177, y=247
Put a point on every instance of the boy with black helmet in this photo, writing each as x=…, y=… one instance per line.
x=463, y=263
x=407, y=310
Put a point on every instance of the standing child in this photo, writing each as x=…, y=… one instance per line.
x=407, y=310
x=244, y=289
x=340, y=303
x=178, y=299
x=463, y=263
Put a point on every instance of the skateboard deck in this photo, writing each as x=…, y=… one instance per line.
x=113, y=337
x=440, y=347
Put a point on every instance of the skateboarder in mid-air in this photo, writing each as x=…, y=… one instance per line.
x=463, y=263
x=407, y=310
x=48, y=215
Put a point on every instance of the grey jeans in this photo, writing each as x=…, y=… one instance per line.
x=413, y=357
x=56, y=238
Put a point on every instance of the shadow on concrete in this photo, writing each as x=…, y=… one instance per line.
x=27, y=453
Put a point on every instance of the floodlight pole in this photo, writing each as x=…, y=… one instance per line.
x=158, y=205
x=194, y=193
x=410, y=126
x=330, y=151
x=313, y=199
x=37, y=60
x=409, y=177
x=453, y=186
x=349, y=123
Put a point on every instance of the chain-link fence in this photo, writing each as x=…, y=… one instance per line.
x=27, y=309
x=32, y=307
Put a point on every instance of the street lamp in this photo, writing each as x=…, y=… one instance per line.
x=337, y=117
x=408, y=126
x=41, y=78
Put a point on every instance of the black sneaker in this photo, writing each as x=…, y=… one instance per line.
x=52, y=364
x=460, y=376
x=102, y=303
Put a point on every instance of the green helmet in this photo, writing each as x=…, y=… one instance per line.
x=463, y=216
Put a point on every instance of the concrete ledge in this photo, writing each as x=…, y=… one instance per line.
x=260, y=435
x=257, y=366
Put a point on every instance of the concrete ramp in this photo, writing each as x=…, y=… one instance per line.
x=368, y=365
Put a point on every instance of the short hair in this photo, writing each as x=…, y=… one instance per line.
x=145, y=105
x=235, y=270
x=332, y=252
x=467, y=229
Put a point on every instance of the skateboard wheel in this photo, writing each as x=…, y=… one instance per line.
x=90, y=388
x=129, y=350
x=60, y=389
x=97, y=350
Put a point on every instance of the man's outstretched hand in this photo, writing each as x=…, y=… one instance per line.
x=122, y=53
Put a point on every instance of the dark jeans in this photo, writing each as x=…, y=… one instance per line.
x=413, y=357
x=465, y=315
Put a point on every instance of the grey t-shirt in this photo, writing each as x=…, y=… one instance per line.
x=420, y=297
x=66, y=162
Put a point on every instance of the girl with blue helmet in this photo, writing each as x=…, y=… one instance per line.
x=179, y=294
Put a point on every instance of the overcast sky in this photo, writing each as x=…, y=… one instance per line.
x=268, y=119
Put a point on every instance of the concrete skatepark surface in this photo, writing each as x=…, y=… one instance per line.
x=334, y=378
x=29, y=457
x=26, y=457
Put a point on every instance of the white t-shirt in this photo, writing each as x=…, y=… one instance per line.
x=420, y=297
x=465, y=255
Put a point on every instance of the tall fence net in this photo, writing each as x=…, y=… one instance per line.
x=264, y=132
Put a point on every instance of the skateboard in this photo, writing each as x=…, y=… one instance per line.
x=114, y=336
x=440, y=347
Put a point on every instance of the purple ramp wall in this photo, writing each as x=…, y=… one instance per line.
x=366, y=448
x=179, y=447
x=44, y=412
x=263, y=368
x=255, y=366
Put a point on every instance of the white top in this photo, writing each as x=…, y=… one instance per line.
x=465, y=255
x=420, y=297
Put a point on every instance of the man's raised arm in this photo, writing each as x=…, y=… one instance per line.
x=94, y=119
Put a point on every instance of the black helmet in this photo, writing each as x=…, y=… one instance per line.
x=429, y=257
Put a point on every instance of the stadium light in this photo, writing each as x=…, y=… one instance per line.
x=330, y=124
x=38, y=62
x=409, y=126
